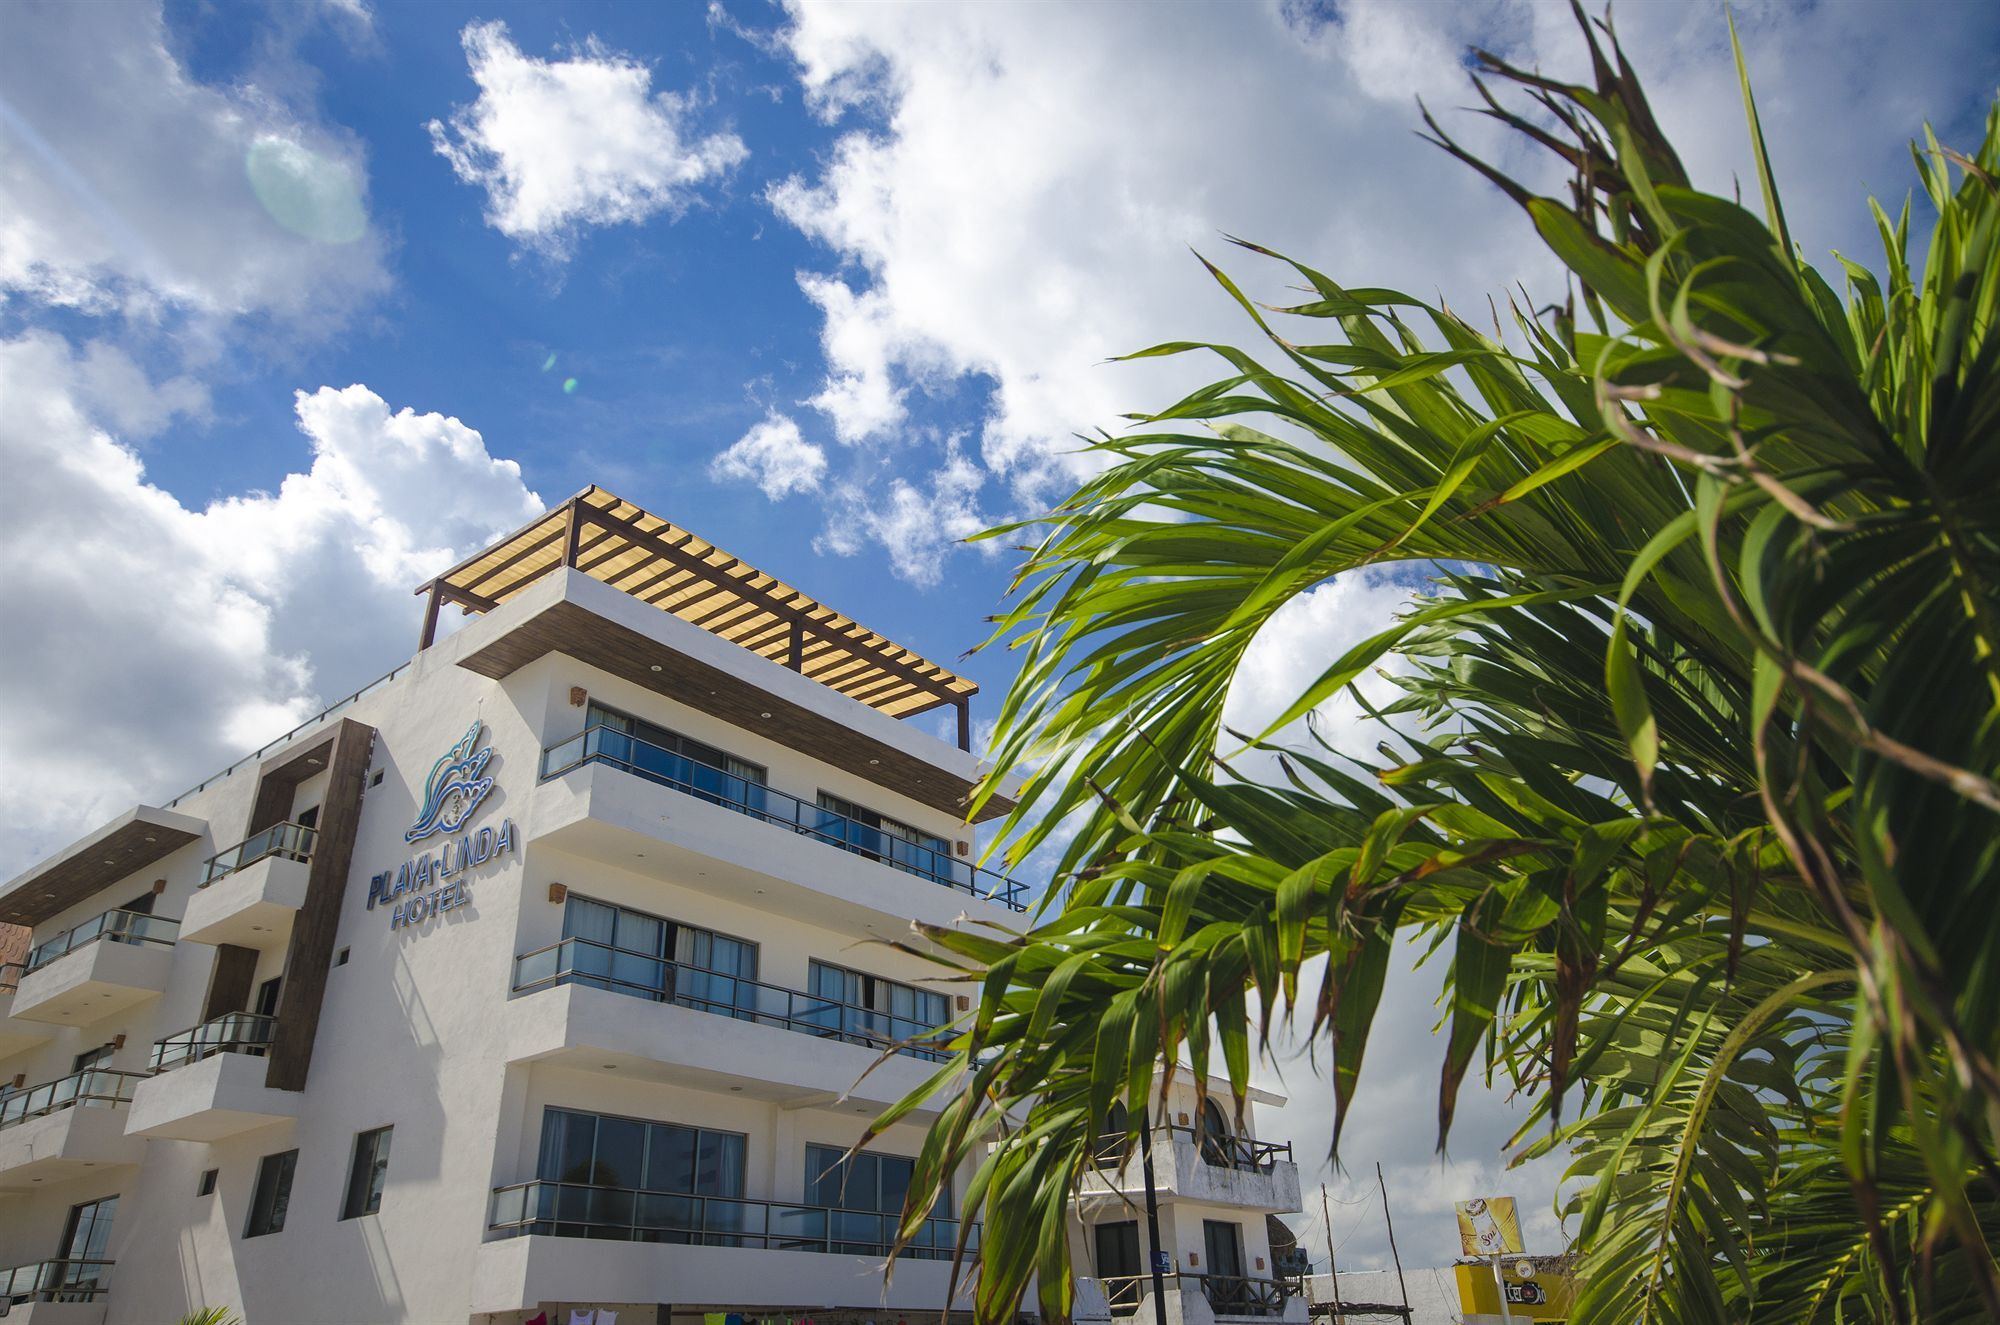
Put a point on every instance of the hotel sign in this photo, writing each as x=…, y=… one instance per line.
x=427, y=885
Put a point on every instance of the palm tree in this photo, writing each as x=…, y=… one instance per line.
x=1698, y=732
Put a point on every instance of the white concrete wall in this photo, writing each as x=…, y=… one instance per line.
x=414, y=1029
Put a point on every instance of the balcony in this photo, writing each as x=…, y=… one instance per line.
x=607, y=746
x=17, y=1036
x=61, y=1284
x=556, y=1242
x=1192, y=1298
x=577, y=1210
x=62, y=1127
x=102, y=966
x=1196, y=1165
x=250, y=893
x=594, y=1029
x=208, y=1083
x=642, y=975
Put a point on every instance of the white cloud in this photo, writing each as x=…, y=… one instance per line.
x=228, y=606
x=773, y=456
x=567, y=143
x=127, y=190
x=1015, y=188
x=916, y=524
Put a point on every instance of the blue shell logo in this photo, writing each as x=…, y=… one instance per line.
x=454, y=789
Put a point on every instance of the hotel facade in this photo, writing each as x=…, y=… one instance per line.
x=550, y=974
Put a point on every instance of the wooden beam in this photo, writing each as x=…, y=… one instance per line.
x=310, y=956
x=844, y=634
x=430, y=630
x=965, y=724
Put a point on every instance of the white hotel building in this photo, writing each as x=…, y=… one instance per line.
x=540, y=977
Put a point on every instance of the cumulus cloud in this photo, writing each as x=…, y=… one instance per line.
x=231, y=601
x=562, y=144
x=1014, y=190
x=774, y=456
x=917, y=524
x=127, y=191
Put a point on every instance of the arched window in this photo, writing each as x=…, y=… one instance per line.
x=1217, y=1142
x=1112, y=1141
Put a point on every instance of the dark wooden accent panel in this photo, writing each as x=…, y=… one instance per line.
x=89, y=869
x=310, y=956
x=278, y=781
x=229, y=981
x=579, y=633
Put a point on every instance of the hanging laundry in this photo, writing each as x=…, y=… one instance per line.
x=586, y=1317
x=539, y=1318
x=606, y=1316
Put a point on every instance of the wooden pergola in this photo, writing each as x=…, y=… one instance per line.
x=638, y=553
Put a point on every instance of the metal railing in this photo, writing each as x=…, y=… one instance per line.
x=578, y=1210
x=107, y=1086
x=642, y=975
x=55, y=1281
x=1227, y=1294
x=288, y=841
x=601, y=744
x=1220, y=1151
x=270, y=745
x=232, y=1033
x=117, y=925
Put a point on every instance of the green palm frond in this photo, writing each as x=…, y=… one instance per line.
x=1701, y=720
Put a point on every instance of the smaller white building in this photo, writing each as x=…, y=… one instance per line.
x=1214, y=1183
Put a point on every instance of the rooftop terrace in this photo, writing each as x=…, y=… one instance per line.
x=608, y=538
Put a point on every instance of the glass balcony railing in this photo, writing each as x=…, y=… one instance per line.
x=622, y=971
x=119, y=926
x=286, y=841
x=718, y=786
x=55, y=1281
x=102, y=1086
x=234, y=1033
x=576, y=1210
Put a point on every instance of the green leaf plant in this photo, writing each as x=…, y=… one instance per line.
x=1699, y=726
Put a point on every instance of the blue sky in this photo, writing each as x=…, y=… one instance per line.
x=836, y=284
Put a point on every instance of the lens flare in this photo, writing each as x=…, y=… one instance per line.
x=548, y=363
x=306, y=193
x=569, y=386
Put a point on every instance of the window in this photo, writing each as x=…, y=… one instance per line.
x=207, y=1184
x=364, y=1178
x=86, y=1245
x=873, y=1010
x=630, y=952
x=894, y=843
x=621, y=1177
x=273, y=1195
x=308, y=818
x=340, y=958
x=267, y=996
x=667, y=756
x=1118, y=1265
x=89, y=1058
x=866, y=1193
x=376, y=781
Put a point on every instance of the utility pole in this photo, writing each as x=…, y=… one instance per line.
x=1405, y=1288
x=1326, y=1213
x=1153, y=1216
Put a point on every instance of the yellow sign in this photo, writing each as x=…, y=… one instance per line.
x=1543, y=1295
x=1488, y=1226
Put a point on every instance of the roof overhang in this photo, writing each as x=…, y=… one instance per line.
x=573, y=615
x=122, y=847
x=658, y=563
